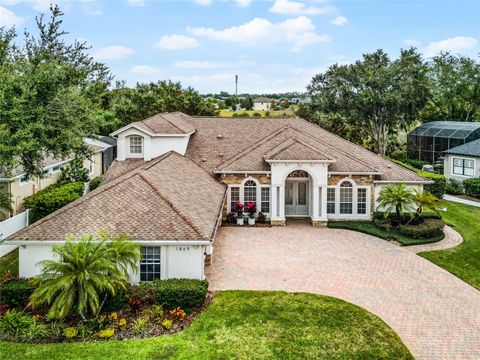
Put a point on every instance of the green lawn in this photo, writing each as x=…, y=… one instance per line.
x=463, y=260
x=9, y=262
x=248, y=325
x=368, y=227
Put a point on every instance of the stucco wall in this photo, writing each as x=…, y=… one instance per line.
x=378, y=189
x=177, y=261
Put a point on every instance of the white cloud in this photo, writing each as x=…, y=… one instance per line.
x=203, y=2
x=194, y=64
x=299, y=32
x=136, y=2
x=114, y=52
x=339, y=21
x=177, y=42
x=8, y=18
x=144, y=69
x=287, y=7
x=412, y=42
x=91, y=7
x=453, y=44
x=243, y=3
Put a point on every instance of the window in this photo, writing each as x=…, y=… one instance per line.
x=249, y=192
x=234, y=197
x=265, y=200
x=25, y=179
x=330, y=201
x=362, y=201
x=463, y=167
x=150, y=263
x=56, y=169
x=346, y=198
x=136, y=144
x=90, y=167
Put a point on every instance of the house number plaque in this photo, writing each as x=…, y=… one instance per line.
x=182, y=248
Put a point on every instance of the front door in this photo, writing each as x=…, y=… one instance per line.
x=296, y=198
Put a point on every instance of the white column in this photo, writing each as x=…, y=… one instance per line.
x=324, y=203
x=316, y=200
x=282, y=202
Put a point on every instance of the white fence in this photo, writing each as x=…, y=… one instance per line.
x=9, y=227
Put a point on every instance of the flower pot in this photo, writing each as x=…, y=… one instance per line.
x=251, y=221
x=239, y=221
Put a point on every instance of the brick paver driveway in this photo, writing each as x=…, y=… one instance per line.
x=436, y=314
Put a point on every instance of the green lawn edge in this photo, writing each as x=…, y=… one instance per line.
x=247, y=325
x=9, y=262
x=368, y=227
x=463, y=260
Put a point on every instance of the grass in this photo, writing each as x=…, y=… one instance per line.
x=464, y=259
x=368, y=227
x=248, y=325
x=272, y=113
x=9, y=262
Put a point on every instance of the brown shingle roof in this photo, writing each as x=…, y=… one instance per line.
x=210, y=151
x=168, y=198
x=295, y=149
x=167, y=123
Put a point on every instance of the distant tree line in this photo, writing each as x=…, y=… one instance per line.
x=370, y=101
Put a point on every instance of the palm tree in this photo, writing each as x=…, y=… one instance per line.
x=424, y=200
x=86, y=270
x=5, y=202
x=396, y=197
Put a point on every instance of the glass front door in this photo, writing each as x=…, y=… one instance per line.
x=296, y=198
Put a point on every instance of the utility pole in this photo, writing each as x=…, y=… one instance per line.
x=236, y=85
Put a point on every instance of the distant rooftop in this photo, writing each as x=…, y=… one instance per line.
x=471, y=148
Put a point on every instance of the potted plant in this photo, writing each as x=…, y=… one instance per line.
x=252, y=209
x=239, y=211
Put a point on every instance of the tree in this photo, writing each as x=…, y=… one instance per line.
x=86, y=271
x=454, y=89
x=74, y=171
x=375, y=94
x=5, y=202
x=48, y=90
x=395, y=197
x=424, y=200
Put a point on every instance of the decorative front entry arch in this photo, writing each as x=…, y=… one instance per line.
x=297, y=194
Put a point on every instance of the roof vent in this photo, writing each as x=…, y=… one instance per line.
x=221, y=154
x=389, y=166
x=219, y=136
x=204, y=160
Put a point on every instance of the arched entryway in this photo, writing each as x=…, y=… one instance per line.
x=297, y=194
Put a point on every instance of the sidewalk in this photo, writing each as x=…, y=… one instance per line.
x=460, y=200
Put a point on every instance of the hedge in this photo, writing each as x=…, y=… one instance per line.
x=52, y=198
x=472, y=187
x=428, y=229
x=15, y=293
x=188, y=294
x=95, y=182
x=455, y=187
x=439, y=186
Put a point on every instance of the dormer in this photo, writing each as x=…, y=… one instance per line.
x=154, y=136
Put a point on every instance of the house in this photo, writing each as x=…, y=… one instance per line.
x=428, y=141
x=176, y=177
x=262, y=103
x=462, y=162
x=19, y=185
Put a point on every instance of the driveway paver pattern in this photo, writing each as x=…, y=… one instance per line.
x=436, y=314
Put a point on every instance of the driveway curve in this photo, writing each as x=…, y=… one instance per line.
x=436, y=314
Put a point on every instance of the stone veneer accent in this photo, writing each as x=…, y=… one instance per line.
x=277, y=222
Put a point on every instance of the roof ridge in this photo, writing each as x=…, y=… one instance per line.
x=171, y=205
x=294, y=140
x=253, y=147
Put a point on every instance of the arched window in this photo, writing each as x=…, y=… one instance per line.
x=249, y=192
x=135, y=144
x=346, y=198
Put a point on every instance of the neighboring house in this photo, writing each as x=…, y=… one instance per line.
x=463, y=162
x=176, y=177
x=19, y=186
x=262, y=103
x=428, y=141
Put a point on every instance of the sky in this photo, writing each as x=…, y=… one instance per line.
x=273, y=46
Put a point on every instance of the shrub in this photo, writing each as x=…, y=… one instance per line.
x=439, y=186
x=428, y=229
x=15, y=292
x=116, y=302
x=472, y=187
x=95, y=182
x=144, y=294
x=52, y=198
x=70, y=332
x=418, y=164
x=257, y=115
x=36, y=331
x=106, y=333
x=15, y=323
x=140, y=325
x=187, y=294
x=454, y=187
x=167, y=324
x=74, y=172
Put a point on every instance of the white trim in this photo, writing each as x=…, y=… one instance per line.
x=300, y=161
x=44, y=168
x=462, y=158
x=354, y=215
x=128, y=140
x=403, y=182
x=24, y=183
x=133, y=125
x=246, y=172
